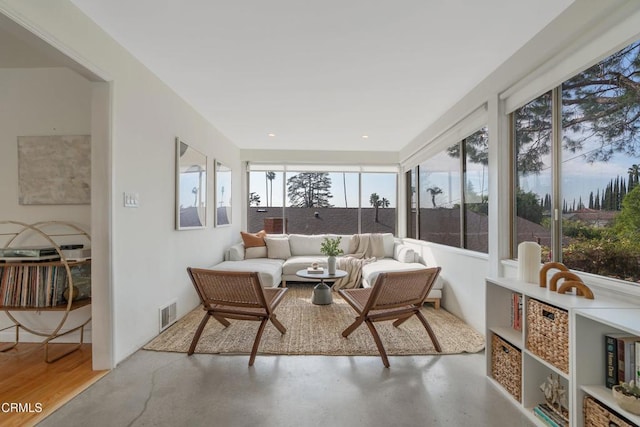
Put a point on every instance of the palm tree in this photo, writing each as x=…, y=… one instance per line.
x=374, y=199
x=434, y=192
x=270, y=176
x=344, y=186
x=384, y=202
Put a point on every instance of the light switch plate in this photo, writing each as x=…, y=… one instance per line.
x=131, y=200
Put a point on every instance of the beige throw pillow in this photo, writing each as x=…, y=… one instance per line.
x=255, y=252
x=277, y=248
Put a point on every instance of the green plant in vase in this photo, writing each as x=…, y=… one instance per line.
x=331, y=248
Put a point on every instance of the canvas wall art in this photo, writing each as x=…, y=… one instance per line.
x=54, y=170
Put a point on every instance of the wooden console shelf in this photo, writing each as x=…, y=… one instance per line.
x=44, y=286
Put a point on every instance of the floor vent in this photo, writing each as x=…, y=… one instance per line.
x=167, y=316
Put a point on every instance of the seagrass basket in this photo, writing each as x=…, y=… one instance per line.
x=548, y=333
x=506, y=366
x=598, y=415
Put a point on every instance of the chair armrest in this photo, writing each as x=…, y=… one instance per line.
x=403, y=253
x=235, y=252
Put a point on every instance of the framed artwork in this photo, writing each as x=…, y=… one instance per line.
x=54, y=170
x=191, y=187
x=223, y=195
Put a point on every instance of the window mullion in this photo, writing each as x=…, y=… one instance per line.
x=556, y=156
x=463, y=226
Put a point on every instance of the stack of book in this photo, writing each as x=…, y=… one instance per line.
x=29, y=253
x=622, y=358
x=549, y=417
x=316, y=270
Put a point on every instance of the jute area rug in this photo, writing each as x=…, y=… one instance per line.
x=316, y=330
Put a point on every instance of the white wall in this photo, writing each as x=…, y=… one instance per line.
x=49, y=101
x=45, y=101
x=463, y=289
x=149, y=257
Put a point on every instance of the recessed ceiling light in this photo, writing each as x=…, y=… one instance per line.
x=365, y=136
x=271, y=135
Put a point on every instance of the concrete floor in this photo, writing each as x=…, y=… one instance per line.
x=172, y=389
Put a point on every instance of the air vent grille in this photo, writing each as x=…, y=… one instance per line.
x=167, y=315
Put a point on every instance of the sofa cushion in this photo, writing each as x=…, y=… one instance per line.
x=269, y=270
x=389, y=243
x=296, y=263
x=302, y=244
x=277, y=248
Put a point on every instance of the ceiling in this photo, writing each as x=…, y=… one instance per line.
x=320, y=75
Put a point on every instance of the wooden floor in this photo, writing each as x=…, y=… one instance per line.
x=31, y=389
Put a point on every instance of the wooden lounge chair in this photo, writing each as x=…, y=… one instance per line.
x=394, y=296
x=235, y=295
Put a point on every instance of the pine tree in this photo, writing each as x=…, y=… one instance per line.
x=309, y=189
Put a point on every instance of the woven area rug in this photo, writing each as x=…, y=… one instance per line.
x=316, y=330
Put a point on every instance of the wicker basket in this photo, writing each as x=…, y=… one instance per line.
x=598, y=415
x=548, y=333
x=506, y=366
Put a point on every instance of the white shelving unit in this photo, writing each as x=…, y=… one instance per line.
x=590, y=327
x=589, y=320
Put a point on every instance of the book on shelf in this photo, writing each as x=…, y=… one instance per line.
x=312, y=270
x=28, y=251
x=544, y=417
x=77, y=254
x=516, y=311
x=620, y=358
x=611, y=360
x=550, y=416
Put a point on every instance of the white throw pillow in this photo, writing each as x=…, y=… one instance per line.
x=255, y=252
x=277, y=248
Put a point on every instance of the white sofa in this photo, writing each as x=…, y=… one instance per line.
x=284, y=255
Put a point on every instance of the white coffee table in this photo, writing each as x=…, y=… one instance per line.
x=322, y=291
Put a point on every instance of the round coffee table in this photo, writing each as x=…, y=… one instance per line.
x=322, y=291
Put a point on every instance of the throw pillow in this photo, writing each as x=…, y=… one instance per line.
x=278, y=248
x=255, y=252
x=252, y=240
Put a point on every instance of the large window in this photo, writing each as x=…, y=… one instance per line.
x=577, y=168
x=451, y=191
x=319, y=200
x=532, y=135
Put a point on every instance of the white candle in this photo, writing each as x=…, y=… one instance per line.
x=529, y=262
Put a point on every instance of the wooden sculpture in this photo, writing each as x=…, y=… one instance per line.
x=581, y=288
x=564, y=274
x=570, y=280
x=548, y=266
